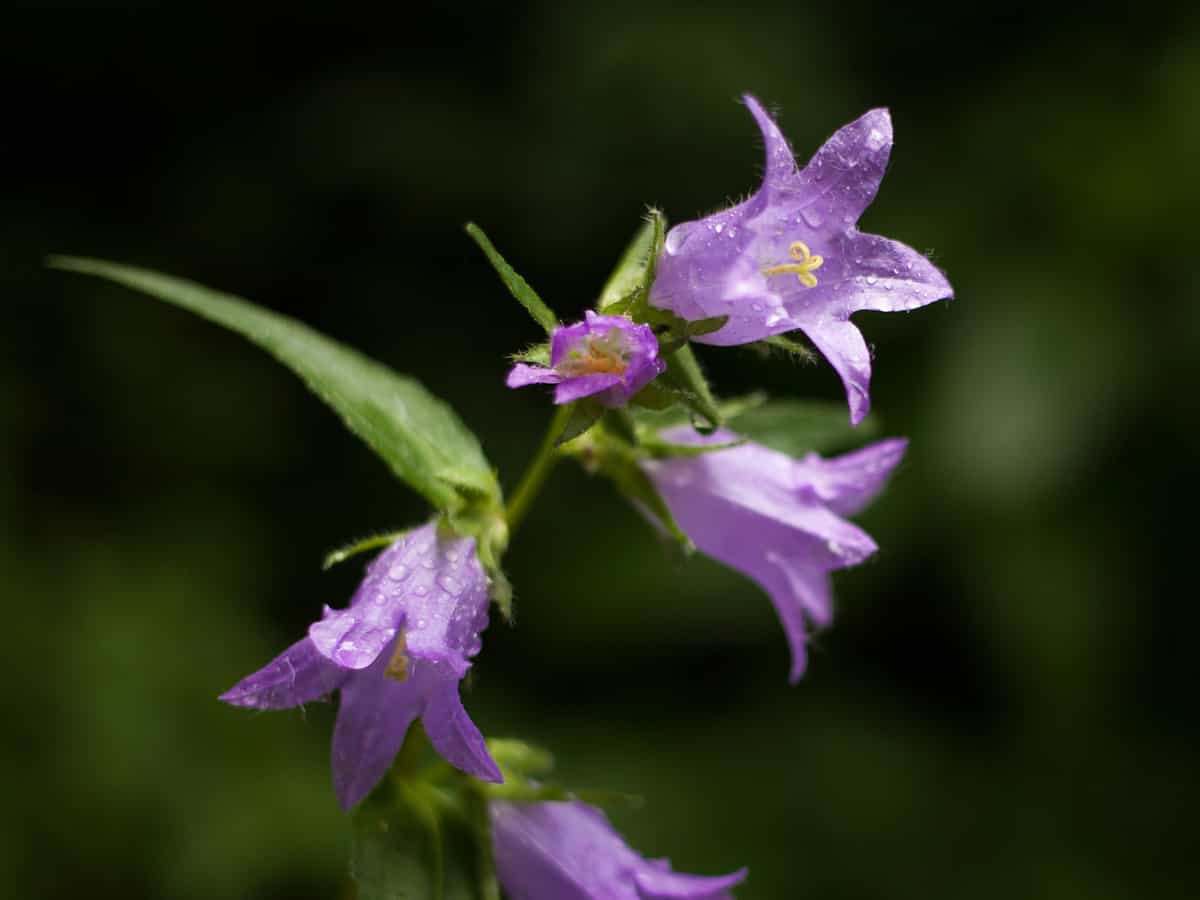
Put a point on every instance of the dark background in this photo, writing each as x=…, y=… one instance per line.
x=1006, y=704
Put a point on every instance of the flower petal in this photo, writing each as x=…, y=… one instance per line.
x=842, y=178
x=840, y=342
x=353, y=638
x=880, y=274
x=298, y=675
x=802, y=596
x=455, y=736
x=523, y=374
x=781, y=161
x=656, y=881
x=849, y=482
x=584, y=386
x=372, y=720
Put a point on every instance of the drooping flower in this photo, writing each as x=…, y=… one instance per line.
x=396, y=653
x=569, y=851
x=791, y=257
x=606, y=357
x=776, y=519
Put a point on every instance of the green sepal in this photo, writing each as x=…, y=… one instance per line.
x=636, y=263
x=700, y=327
x=363, y=545
x=517, y=286
x=418, y=435
x=781, y=343
x=520, y=758
x=584, y=414
x=684, y=374
x=536, y=354
x=659, y=449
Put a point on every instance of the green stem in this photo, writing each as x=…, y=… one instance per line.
x=409, y=758
x=539, y=467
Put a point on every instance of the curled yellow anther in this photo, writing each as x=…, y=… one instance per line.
x=804, y=266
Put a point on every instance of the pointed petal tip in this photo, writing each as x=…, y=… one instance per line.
x=860, y=405
x=799, y=666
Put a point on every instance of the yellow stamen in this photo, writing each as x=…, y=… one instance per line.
x=397, y=666
x=804, y=266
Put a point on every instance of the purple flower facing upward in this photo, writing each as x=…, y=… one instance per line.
x=791, y=257
x=397, y=652
x=606, y=357
x=776, y=519
x=569, y=851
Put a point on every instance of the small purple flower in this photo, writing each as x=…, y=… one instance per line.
x=608, y=357
x=776, y=519
x=569, y=851
x=397, y=652
x=791, y=257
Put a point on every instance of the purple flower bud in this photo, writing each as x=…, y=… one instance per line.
x=608, y=357
x=569, y=851
x=776, y=519
x=791, y=257
x=397, y=652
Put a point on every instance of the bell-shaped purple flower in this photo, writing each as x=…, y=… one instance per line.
x=397, y=652
x=569, y=851
x=775, y=519
x=791, y=257
x=606, y=357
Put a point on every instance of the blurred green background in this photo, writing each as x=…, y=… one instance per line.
x=1005, y=706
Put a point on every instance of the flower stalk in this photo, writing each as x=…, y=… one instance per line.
x=538, y=469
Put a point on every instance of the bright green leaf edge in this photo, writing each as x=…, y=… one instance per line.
x=418, y=435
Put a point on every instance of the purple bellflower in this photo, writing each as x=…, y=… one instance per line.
x=775, y=519
x=397, y=652
x=569, y=851
x=606, y=357
x=791, y=257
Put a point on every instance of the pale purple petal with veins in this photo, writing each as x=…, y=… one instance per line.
x=398, y=651
x=791, y=256
x=775, y=519
x=300, y=674
x=606, y=357
x=569, y=851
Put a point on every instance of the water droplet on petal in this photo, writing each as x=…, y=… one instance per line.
x=812, y=217
x=449, y=585
x=398, y=572
x=871, y=279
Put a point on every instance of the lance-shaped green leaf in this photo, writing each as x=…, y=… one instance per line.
x=517, y=286
x=418, y=435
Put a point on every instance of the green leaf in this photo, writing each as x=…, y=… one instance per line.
x=517, y=286
x=796, y=427
x=419, y=436
x=410, y=851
